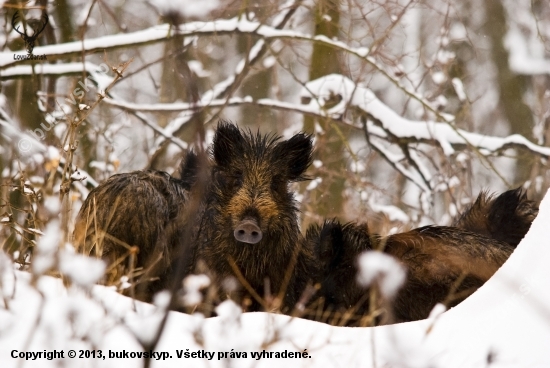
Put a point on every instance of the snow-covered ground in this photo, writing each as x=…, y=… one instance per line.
x=506, y=323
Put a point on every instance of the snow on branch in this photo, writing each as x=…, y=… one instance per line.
x=98, y=77
x=29, y=145
x=395, y=160
x=395, y=126
x=164, y=133
x=384, y=124
x=160, y=33
x=233, y=101
x=520, y=59
x=221, y=27
x=232, y=81
x=48, y=69
x=523, y=40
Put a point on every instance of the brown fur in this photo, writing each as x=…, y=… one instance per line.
x=129, y=222
x=248, y=177
x=506, y=217
x=444, y=265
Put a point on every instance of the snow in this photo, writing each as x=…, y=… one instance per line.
x=382, y=269
x=192, y=285
x=184, y=106
x=462, y=158
x=82, y=270
x=458, y=32
x=124, y=283
x=254, y=52
x=521, y=62
x=445, y=57
x=99, y=76
x=98, y=72
x=441, y=101
x=77, y=176
x=269, y=62
x=395, y=160
x=439, y=78
x=220, y=89
x=35, y=231
x=437, y=310
x=445, y=134
x=228, y=312
x=314, y=183
x=162, y=299
x=197, y=68
x=46, y=249
x=145, y=327
x=393, y=213
x=507, y=318
x=459, y=89
x=52, y=204
x=357, y=167
x=160, y=32
x=102, y=166
x=524, y=42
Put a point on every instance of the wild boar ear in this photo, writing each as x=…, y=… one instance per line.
x=228, y=143
x=297, y=151
x=357, y=238
x=189, y=168
x=328, y=246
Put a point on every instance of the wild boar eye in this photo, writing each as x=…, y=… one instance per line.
x=229, y=180
x=234, y=179
x=237, y=180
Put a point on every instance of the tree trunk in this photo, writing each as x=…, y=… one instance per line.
x=327, y=198
x=511, y=86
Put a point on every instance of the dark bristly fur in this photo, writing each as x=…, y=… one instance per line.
x=138, y=209
x=506, y=217
x=336, y=248
x=435, y=258
x=249, y=177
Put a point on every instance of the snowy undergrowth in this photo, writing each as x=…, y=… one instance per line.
x=506, y=322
